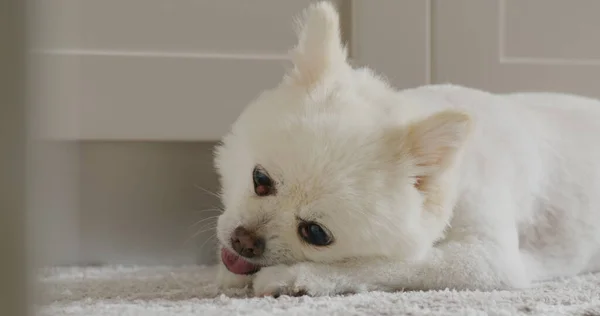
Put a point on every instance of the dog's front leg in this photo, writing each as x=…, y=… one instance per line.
x=226, y=279
x=470, y=263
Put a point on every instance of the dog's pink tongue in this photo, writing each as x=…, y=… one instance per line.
x=237, y=264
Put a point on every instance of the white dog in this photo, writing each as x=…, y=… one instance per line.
x=333, y=182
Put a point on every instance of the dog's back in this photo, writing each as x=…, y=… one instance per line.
x=545, y=148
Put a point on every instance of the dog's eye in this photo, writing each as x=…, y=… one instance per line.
x=263, y=185
x=314, y=234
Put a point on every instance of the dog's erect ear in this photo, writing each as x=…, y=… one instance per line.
x=430, y=144
x=433, y=142
x=319, y=50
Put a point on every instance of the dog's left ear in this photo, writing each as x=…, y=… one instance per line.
x=319, y=51
x=434, y=141
x=431, y=144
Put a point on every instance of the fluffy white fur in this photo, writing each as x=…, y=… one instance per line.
x=429, y=188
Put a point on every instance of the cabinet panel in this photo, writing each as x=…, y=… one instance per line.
x=120, y=98
x=393, y=37
x=193, y=26
x=153, y=69
x=475, y=46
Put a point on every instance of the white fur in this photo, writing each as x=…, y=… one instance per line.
x=429, y=188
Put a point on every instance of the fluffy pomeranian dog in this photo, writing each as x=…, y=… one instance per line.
x=333, y=182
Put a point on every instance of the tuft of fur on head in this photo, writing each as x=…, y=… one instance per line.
x=337, y=156
x=319, y=52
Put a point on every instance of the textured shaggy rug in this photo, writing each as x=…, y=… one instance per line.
x=151, y=291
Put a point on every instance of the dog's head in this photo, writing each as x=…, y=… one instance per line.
x=314, y=170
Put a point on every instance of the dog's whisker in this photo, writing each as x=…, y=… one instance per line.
x=217, y=195
x=204, y=220
x=210, y=210
x=196, y=234
x=208, y=240
x=207, y=227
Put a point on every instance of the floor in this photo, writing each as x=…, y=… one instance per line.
x=190, y=290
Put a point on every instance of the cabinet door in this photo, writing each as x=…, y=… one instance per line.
x=393, y=37
x=515, y=45
x=155, y=69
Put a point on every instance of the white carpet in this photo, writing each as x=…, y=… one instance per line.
x=191, y=291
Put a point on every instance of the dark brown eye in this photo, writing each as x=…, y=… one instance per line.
x=314, y=234
x=263, y=185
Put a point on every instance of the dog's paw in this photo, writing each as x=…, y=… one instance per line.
x=296, y=280
x=277, y=280
x=228, y=280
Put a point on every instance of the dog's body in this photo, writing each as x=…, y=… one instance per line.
x=430, y=188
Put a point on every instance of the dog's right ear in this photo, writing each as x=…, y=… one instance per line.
x=319, y=51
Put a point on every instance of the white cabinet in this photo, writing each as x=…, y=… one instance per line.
x=183, y=70
x=508, y=45
x=155, y=69
x=394, y=38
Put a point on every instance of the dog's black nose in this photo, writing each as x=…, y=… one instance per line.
x=246, y=243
